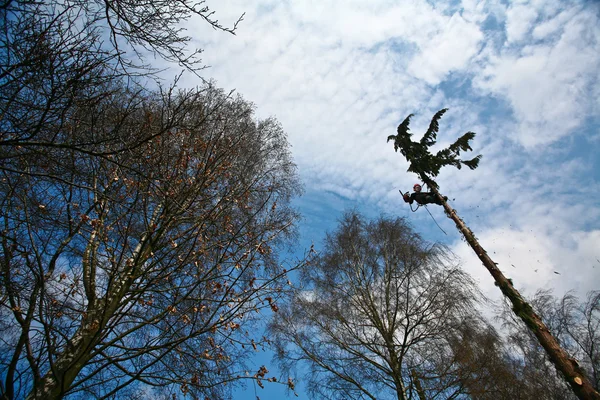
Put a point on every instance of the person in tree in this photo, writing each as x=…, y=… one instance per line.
x=422, y=198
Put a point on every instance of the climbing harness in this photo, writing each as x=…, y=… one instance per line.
x=404, y=196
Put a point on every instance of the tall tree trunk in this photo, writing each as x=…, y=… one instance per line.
x=79, y=351
x=396, y=367
x=567, y=365
x=59, y=379
x=418, y=386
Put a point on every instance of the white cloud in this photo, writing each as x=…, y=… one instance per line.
x=341, y=75
x=548, y=85
x=554, y=24
x=450, y=49
x=536, y=260
x=519, y=21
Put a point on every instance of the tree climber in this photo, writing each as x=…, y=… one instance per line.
x=422, y=198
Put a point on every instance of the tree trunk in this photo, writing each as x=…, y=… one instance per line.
x=418, y=386
x=79, y=351
x=396, y=367
x=65, y=369
x=567, y=365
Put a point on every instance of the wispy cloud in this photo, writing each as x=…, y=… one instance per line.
x=550, y=77
x=341, y=75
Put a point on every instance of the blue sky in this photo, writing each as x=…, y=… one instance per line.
x=341, y=75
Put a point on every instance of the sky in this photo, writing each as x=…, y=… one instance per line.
x=341, y=75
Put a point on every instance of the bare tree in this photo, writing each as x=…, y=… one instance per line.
x=139, y=228
x=126, y=30
x=57, y=57
x=485, y=368
x=575, y=324
x=427, y=166
x=375, y=315
x=140, y=270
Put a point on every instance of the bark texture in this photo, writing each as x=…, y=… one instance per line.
x=568, y=366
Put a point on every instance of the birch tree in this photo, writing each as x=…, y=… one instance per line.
x=575, y=323
x=376, y=314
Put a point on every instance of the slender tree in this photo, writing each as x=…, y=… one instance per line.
x=375, y=315
x=427, y=166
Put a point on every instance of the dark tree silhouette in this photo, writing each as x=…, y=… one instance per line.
x=422, y=162
x=376, y=316
x=143, y=273
x=139, y=227
x=427, y=166
x=58, y=58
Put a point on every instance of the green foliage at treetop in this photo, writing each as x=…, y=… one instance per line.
x=422, y=162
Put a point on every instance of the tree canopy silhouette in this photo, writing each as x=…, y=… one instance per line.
x=424, y=163
x=377, y=316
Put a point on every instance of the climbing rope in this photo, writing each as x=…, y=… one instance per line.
x=434, y=221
